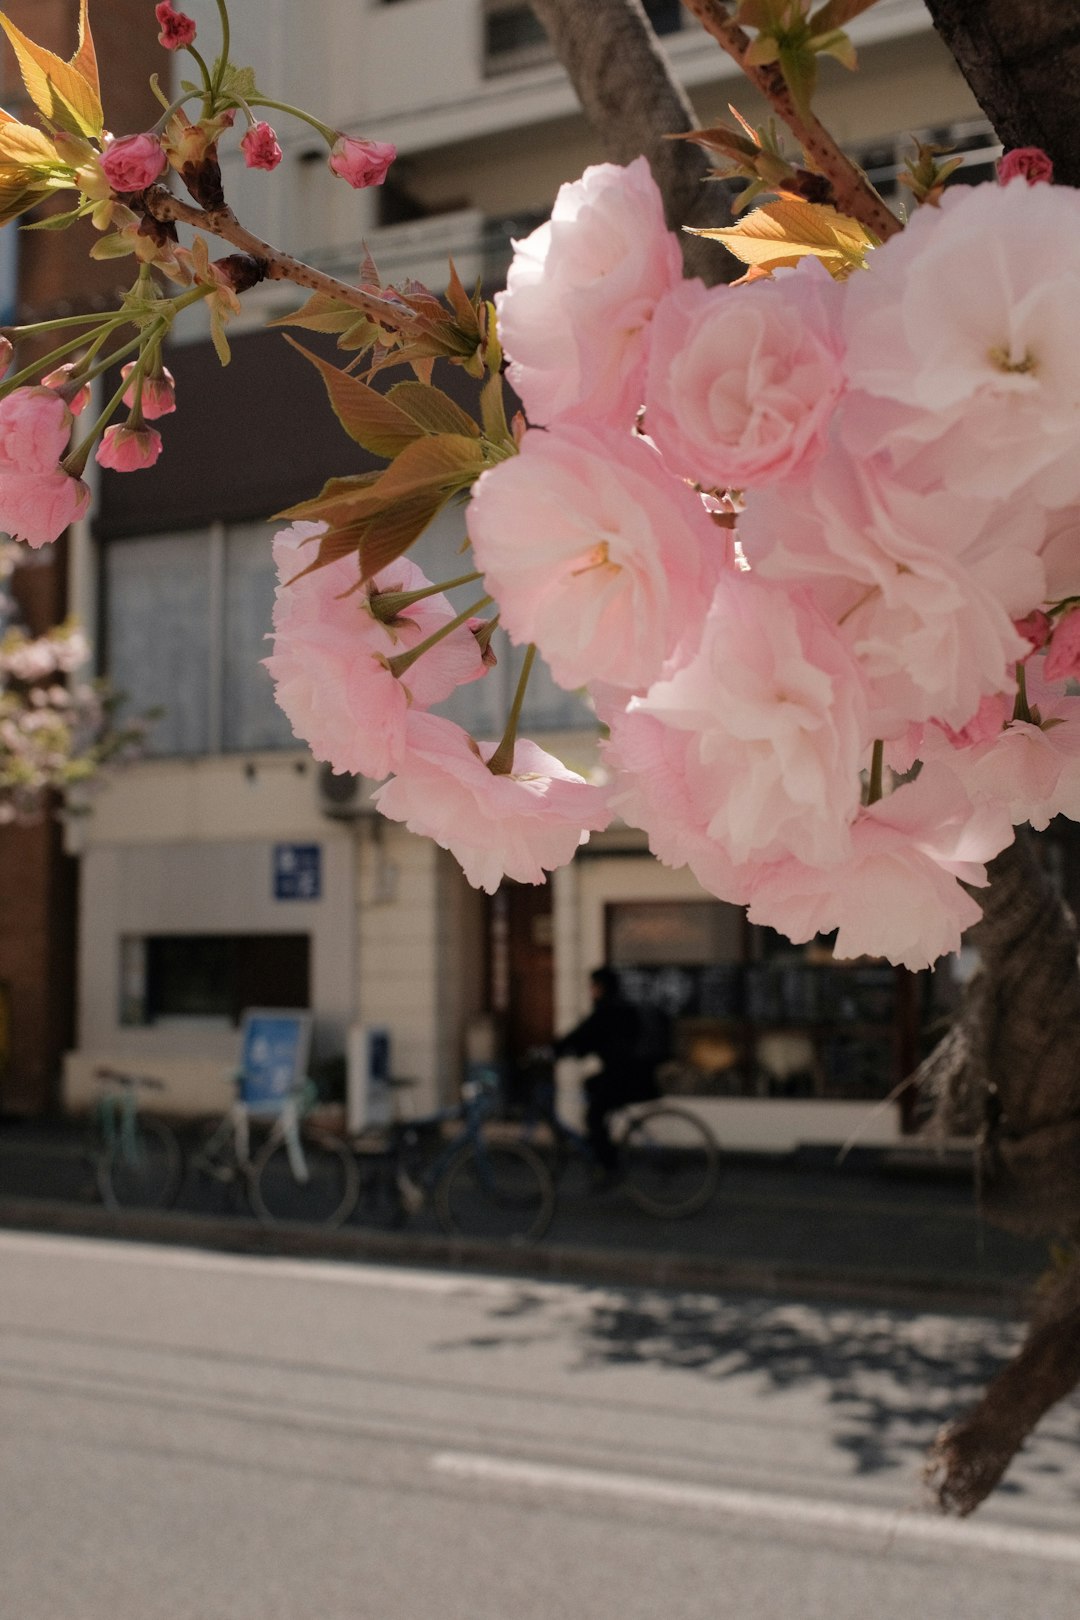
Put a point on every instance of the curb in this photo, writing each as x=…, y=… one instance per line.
x=635, y=1268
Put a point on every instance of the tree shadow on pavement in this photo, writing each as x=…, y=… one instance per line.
x=887, y=1378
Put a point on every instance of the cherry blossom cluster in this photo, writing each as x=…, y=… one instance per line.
x=810, y=544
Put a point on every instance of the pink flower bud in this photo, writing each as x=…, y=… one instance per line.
x=1063, y=658
x=361, y=163
x=158, y=393
x=133, y=162
x=7, y=350
x=127, y=449
x=77, y=398
x=1028, y=163
x=1035, y=627
x=177, y=30
x=260, y=147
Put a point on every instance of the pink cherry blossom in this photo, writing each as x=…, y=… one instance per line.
x=260, y=147
x=60, y=379
x=128, y=449
x=1063, y=654
x=329, y=663
x=177, y=30
x=522, y=825
x=133, y=162
x=899, y=893
x=1035, y=627
x=1028, y=163
x=742, y=382
x=595, y=553
x=158, y=393
x=38, y=507
x=580, y=297
x=1061, y=554
x=657, y=783
x=35, y=425
x=360, y=162
x=774, y=713
x=965, y=325
x=924, y=585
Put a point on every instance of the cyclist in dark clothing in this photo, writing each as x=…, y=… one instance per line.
x=612, y=1032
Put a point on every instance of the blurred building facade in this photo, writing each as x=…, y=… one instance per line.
x=44, y=274
x=227, y=869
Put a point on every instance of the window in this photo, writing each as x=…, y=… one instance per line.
x=211, y=977
x=186, y=619
x=515, y=38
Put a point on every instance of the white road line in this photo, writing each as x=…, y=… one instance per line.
x=346, y=1273
x=762, y=1506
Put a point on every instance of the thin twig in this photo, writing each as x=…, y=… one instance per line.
x=854, y=194
x=275, y=265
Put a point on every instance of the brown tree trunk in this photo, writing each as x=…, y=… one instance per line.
x=1022, y=60
x=632, y=98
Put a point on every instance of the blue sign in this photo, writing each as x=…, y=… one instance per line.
x=297, y=871
x=273, y=1056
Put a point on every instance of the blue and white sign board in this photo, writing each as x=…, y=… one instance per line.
x=273, y=1056
x=297, y=871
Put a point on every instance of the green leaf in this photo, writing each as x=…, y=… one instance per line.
x=239, y=83
x=61, y=222
x=57, y=88
x=432, y=410
x=368, y=417
x=763, y=50
x=493, y=410
x=340, y=500
x=799, y=67
x=782, y=233
x=838, y=45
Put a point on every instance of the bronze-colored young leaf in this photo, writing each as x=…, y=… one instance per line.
x=837, y=14
x=339, y=501
x=368, y=417
x=389, y=534
x=493, y=410
x=447, y=461
x=57, y=88
x=432, y=410
x=85, y=59
x=782, y=233
x=26, y=147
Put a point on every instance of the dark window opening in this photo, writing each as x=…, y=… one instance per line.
x=213, y=976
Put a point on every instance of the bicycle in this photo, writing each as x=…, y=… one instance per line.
x=137, y=1160
x=668, y=1158
x=499, y=1190
x=297, y=1174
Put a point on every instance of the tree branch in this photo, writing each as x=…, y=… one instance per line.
x=275, y=265
x=631, y=97
x=854, y=194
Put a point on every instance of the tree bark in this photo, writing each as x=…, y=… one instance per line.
x=632, y=98
x=1022, y=60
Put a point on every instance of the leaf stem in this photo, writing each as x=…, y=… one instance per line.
x=501, y=762
x=40, y=367
x=1021, y=708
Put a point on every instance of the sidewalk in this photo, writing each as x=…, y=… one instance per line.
x=799, y=1225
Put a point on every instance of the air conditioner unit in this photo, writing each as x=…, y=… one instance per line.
x=341, y=795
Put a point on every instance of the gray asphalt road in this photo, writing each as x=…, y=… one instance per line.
x=186, y=1436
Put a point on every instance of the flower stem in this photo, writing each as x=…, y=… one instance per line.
x=208, y=83
x=17, y=332
x=329, y=135
x=1021, y=708
x=226, y=46
x=386, y=605
x=876, y=770
x=403, y=661
x=75, y=462
x=501, y=762
x=40, y=367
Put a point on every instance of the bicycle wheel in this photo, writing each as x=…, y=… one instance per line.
x=495, y=1190
x=669, y=1161
x=142, y=1168
x=323, y=1196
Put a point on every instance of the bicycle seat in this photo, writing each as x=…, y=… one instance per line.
x=116, y=1077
